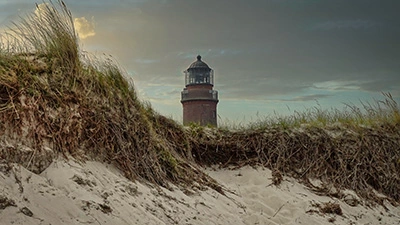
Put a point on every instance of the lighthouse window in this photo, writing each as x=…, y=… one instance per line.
x=192, y=78
x=199, y=78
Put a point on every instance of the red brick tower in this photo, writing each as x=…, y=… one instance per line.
x=199, y=100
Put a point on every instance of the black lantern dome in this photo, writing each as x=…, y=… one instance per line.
x=199, y=64
x=199, y=73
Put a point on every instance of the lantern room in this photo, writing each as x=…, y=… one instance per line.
x=199, y=73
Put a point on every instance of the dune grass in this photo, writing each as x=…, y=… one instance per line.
x=367, y=114
x=55, y=100
x=357, y=149
x=52, y=96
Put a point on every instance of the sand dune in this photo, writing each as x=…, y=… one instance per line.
x=68, y=192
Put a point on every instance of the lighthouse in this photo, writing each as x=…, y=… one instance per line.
x=198, y=98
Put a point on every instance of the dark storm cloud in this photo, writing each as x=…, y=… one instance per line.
x=305, y=98
x=345, y=24
x=259, y=49
x=264, y=48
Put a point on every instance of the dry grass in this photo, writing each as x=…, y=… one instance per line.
x=330, y=207
x=54, y=97
x=327, y=208
x=54, y=100
x=361, y=153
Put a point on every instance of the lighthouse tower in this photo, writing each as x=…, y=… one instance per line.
x=199, y=100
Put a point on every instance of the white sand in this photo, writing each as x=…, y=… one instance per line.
x=96, y=193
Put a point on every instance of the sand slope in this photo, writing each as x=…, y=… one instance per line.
x=97, y=193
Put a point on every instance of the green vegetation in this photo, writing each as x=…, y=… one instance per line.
x=55, y=100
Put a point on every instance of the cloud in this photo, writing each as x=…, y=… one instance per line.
x=294, y=51
x=305, y=98
x=146, y=61
x=84, y=27
x=369, y=83
x=336, y=85
x=210, y=53
x=345, y=25
x=390, y=85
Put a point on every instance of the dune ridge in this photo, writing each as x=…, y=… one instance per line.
x=77, y=146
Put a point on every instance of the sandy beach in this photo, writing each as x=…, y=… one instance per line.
x=62, y=108
x=68, y=192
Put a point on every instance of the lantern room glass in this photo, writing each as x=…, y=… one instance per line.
x=199, y=76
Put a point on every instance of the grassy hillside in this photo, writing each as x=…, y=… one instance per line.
x=56, y=101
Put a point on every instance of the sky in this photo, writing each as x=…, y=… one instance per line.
x=270, y=57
